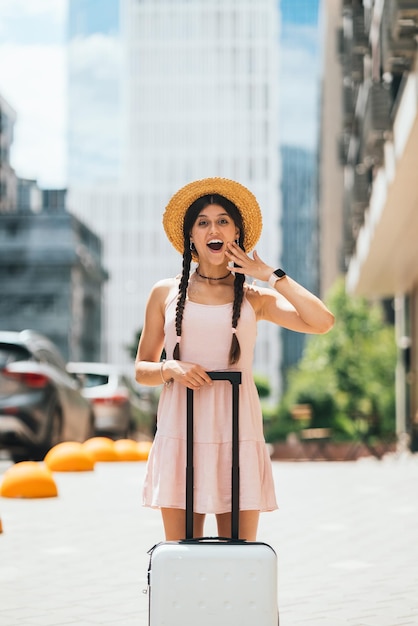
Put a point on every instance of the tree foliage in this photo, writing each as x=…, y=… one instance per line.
x=347, y=375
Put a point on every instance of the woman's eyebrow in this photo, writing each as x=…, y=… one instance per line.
x=218, y=215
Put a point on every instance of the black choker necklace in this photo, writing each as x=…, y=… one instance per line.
x=209, y=278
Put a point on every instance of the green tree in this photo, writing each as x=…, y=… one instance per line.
x=348, y=375
x=263, y=385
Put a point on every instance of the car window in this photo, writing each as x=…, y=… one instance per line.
x=10, y=353
x=94, y=380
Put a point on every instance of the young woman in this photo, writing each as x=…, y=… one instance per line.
x=206, y=320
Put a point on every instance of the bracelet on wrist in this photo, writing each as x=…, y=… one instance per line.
x=168, y=382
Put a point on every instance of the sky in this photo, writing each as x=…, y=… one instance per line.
x=33, y=81
x=299, y=85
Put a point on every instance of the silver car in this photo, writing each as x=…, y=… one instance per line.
x=40, y=403
x=120, y=409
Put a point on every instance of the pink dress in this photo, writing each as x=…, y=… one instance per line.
x=206, y=339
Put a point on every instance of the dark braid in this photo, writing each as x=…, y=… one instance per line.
x=184, y=281
x=235, y=350
x=189, y=220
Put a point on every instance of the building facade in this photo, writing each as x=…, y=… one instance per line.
x=300, y=233
x=29, y=195
x=197, y=96
x=8, y=180
x=331, y=150
x=380, y=146
x=52, y=277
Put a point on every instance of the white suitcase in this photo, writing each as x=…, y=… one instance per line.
x=213, y=581
x=208, y=584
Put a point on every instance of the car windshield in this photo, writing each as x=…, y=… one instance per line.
x=10, y=353
x=94, y=380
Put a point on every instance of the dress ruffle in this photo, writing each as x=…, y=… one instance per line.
x=165, y=484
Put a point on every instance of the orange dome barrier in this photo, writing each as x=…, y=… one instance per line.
x=127, y=450
x=28, y=479
x=69, y=456
x=101, y=449
x=144, y=448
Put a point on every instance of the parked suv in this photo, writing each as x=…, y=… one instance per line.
x=119, y=407
x=40, y=403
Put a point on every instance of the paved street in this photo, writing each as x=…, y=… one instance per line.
x=346, y=536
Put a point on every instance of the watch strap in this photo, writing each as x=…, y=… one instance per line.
x=275, y=276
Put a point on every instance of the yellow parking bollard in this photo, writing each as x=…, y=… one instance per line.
x=101, y=448
x=127, y=450
x=69, y=456
x=144, y=448
x=28, y=479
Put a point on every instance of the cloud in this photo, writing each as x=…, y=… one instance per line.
x=33, y=82
x=23, y=8
x=32, y=21
x=95, y=64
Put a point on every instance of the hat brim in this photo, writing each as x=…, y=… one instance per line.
x=244, y=200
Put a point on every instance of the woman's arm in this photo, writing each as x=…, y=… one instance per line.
x=149, y=370
x=292, y=306
x=289, y=304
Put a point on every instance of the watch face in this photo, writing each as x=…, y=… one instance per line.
x=279, y=273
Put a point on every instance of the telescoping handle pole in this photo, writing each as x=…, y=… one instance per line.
x=235, y=379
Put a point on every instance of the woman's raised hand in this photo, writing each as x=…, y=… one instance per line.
x=254, y=267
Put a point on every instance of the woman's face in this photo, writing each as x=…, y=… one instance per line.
x=213, y=228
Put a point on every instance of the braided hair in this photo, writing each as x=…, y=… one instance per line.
x=189, y=220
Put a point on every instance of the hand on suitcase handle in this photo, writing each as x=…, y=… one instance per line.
x=191, y=375
x=194, y=377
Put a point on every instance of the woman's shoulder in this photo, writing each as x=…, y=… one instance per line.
x=256, y=296
x=164, y=289
x=166, y=283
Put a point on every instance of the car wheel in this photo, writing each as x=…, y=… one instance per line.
x=132, y=429
x=54, y=434
x=91, y=430
x=17, y=457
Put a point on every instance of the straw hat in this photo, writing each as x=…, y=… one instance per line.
x=242, y=197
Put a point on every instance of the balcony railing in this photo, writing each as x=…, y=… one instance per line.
x=376, y=124
x=400, y=32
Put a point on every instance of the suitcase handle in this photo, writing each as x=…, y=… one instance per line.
x=235, y=379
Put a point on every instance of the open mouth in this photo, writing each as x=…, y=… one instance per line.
x=215, y=244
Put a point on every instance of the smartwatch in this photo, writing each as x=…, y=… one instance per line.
x=277, y=275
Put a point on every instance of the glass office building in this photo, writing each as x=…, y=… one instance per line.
x=162, y=93
x=299, y=124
